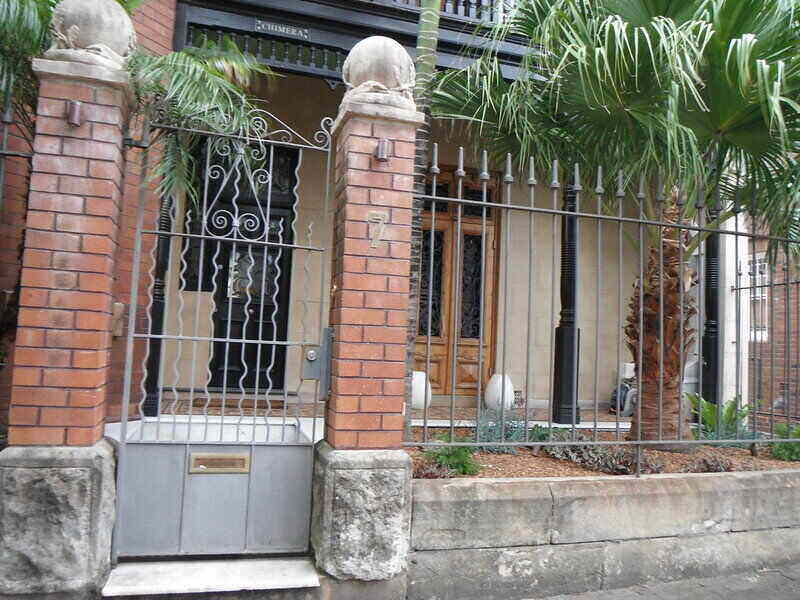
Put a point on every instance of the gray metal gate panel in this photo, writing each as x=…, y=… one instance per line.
x=212, y=469
x=215, y=510
x=151, y=500
x=280, y=495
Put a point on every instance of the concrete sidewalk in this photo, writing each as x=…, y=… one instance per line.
x=779, y=583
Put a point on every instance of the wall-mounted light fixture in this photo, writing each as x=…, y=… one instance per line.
x=75, y=113
x=383, y=150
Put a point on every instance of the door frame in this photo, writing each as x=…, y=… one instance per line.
x=447, y=222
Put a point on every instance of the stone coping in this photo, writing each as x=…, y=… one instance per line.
x=498, y=513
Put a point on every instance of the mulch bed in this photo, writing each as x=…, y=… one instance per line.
x=533, y=462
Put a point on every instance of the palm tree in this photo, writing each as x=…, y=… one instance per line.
x=699, y=94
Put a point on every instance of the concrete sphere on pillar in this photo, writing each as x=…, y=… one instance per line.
x=379, y=70
x=97, y=32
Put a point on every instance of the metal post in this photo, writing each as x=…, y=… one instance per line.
x=567, y=335
x=710, y=354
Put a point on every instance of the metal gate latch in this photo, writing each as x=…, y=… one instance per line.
x=317, y=363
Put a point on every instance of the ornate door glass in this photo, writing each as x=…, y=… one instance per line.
x=431, y=294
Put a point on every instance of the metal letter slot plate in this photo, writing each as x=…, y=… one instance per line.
x=208, y=464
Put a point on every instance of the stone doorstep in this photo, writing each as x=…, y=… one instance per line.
x=148, y=578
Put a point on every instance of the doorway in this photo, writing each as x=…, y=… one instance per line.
x=458, y=284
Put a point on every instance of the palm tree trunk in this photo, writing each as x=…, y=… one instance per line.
x=658, y=325
x=427, y=46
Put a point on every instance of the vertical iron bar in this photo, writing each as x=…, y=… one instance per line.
x=484, y=178
x=508, y=181
x=129, y=343
x=681, y=312
x=555, y=186
x=660, y=204
x=599, y=191
x=620, y=195
x=640, y=346
x=701, y=285
x=530, y=330
x=434, y=192
x=771, y=336
x=457, y=277
x=264, y=269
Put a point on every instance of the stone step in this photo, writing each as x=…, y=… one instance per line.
x=256, y=578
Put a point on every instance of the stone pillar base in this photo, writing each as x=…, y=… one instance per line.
x=362, y=513
x=56, y=518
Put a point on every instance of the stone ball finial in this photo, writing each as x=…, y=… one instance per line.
x=379, y=70
x=96, y=32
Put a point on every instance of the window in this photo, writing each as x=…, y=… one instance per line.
x=758, y=273
x=758, y=280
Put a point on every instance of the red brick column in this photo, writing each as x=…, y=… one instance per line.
x=371, y=267
x=61, y=360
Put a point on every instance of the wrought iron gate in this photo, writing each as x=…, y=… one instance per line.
x=226, y=362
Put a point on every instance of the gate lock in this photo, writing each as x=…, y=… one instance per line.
x=317, y=362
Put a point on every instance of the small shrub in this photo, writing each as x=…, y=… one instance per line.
x=613, y=460
x=732, y=420
x=429, y=470
x=489, y=430
x=787, y=450
x=709, y=464
x=458, y=459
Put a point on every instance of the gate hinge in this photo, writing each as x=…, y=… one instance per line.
x=317, y=362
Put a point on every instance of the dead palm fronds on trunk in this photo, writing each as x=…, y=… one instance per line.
x=659, y=335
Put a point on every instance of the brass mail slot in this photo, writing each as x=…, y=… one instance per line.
x=219, y=463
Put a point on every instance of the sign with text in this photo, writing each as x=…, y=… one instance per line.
x=300, y=33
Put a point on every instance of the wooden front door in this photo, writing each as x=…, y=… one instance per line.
x=457, y=294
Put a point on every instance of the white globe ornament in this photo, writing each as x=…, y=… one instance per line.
x=500, y=393
x=420, y=391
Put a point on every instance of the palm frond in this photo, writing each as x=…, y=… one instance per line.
x=201, y=88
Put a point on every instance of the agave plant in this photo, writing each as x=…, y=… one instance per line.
x=697, y=94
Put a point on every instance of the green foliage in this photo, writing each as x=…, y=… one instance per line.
x=703, y=92
x=720, y=423
x=787, y=450
x=202, y=88
x=205, y=88
x=614, y=460
x=491, y=430
x=457, y=459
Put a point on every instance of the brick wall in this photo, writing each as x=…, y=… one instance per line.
x=47, y=221
x=369, y=310
x=774, y=365
x=62, y=346
x=12, y=222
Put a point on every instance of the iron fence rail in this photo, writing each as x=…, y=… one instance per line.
x=670, y=294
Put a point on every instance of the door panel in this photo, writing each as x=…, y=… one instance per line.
x=252, y=304
x=455, y=297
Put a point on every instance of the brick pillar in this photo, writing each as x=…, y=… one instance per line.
x=61, y=361
x=371, y=268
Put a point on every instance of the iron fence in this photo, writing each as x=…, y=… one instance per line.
x=597, y=309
